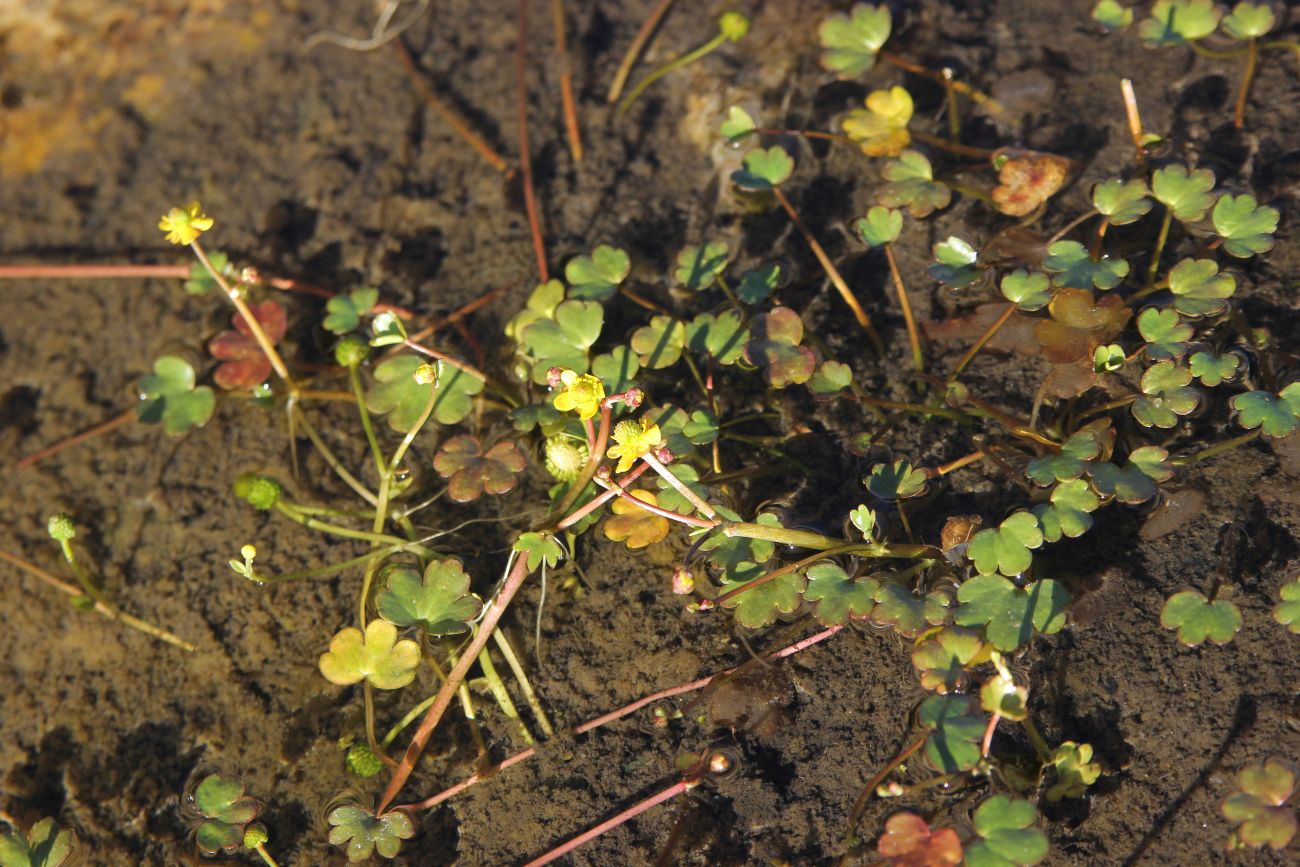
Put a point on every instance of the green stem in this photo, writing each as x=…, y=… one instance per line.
x=502, y=695
x=1040, y=745
x=1217, y=449
x=1160, y=248
x=512, y=660
x=334, y=463
x=290, y=511
x=677, y=63
x=260, y=849
x=83, y=578
x=366, y=422
x=322, y=571
x=781, y=536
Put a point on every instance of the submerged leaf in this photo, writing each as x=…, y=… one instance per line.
x=439, y=601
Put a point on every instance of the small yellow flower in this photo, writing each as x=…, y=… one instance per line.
x=633, y=438
x=184, y=225
x=881, y=128
x=581, y=392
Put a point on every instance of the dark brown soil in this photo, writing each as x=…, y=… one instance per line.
x=326, y=166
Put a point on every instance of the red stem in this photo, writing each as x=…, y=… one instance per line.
x=113, y=423
x=632, y=812
x=525, y=158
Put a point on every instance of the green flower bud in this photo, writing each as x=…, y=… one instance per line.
x=260, y=492
x=351, y=351
x=362, y=762
x=426, y=374
x=733, y=25
x=61, y=527
x=564, y=457
x=254, y=836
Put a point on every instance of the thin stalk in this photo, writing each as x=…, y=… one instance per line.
x=260, y=849
x=450, y=361
x=950, y=102
x=113, y=423
x=601, y=499
x=634, y=50
x=331, y=569
x=951, y=146
x=1068, y=227
x=375, y=749
x=979, y=344
x=978, y=97
x=918, y=408
x=1036, y=739
x=953, y=466
x=566, y=81
x=785, y=570
x=672, y=65
x=913, y=336
x=112, y=614
x=1134, y=118
x=612, y=716
x=781, y=536
x=838, y=281
x=460, y=313
x=87, y=583
x=291, y=512
x=334, y=463
x=502, y=696
x=449, y=115
x=517, y=572
x=624, y=494
x=1217, y=449
x=525, y=686
x=254, y=327
x=1160, y=248
x=627, y=815
x=860, y=805
x=1252, y=60
x=807, y=133
x=595, y=454
x=378, y=453
x=525, y=156
x=681, y=487
x=94, y=272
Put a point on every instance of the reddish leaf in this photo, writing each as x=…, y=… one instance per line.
x=244, y=364
x=471, y=472
x=908, y=841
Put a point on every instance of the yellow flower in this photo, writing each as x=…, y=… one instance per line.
x=581, y=392
x=184, y=225
x=633, y=438
x=881, y=128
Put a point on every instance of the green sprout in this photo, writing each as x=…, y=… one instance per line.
x=1248, y=21
x=1072, y=266
x=1111, y=15
x=387, y=329
x=1011, y=614
x=344, y=312
x=169, y=396
x=943, y=659
x=1258, y=805
x=836, y=597
x=880, y=129
x=541, y=304
x=880, y=226
x=1178, y=22
x=472, y=472
x=659, y=344
x=722, y=336
x=1166, y=395
x=1197, y=618
x=439, y=602
x=732, y=27
x=956, y=729
x=1006, y=548
x=597, y=277
x=1075, y=771
x=563, y=338
x=1287, y=610
x=1165, y=332
x=907, y=613
x=1245, y=226
x=737, y=125
x=539, y=548
x=1199, y=289
x=896, y=481
x=831, y=378
x=1275, y=415
x=911, y=183
x=764, y=169
x=760, y=606
x=1070, y=511
x=364, y=833
x=757, y=285
x=1070, y=463
x=1121, y=202
x=698, y=267
x=852, y=41
x=1213, y=369
x=1108, y=358
x=226, y=810
x=1001, y=695
x=865, y=520
x=955, y=263
x=45, y=845
x=1186, y=194
x=774, y=346
x=1027, y=291
x=1136, y=481
x=375, y=656
x=1006, y=836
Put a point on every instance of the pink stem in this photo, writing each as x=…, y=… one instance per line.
x=632, y=812
x=619, y=491
x=94, y=272
x=601, y=499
